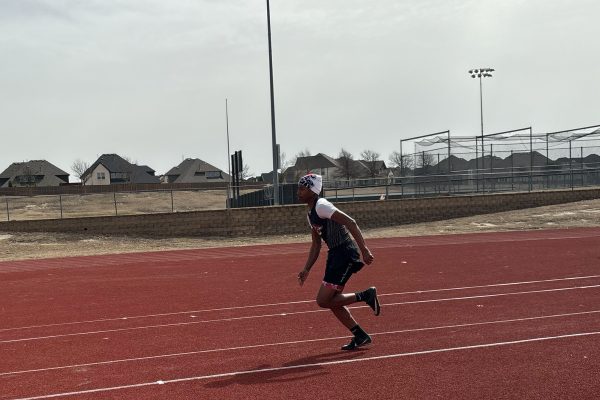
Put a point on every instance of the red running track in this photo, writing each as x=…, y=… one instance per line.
x=489, y=316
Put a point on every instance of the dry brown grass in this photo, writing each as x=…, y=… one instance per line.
x=103, y=204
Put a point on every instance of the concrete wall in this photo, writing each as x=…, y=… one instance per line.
x=260, y=221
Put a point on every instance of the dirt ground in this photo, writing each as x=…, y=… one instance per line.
x=15, y=246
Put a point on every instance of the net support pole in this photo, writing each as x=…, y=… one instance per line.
x=571, y=164
x=449, y=166
x=530, y=159
x=477, y=164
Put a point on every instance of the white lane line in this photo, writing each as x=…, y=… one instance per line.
x=494, y=285
x=488, y=295
x=313, y=365
x=295, y=302
x=288, y=314
x=430, y=241
x=304, y=341
x=160, y=315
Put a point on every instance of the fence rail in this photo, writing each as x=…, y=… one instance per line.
x=114, y=203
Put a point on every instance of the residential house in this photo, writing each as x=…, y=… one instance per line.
x=320, y=164
x=33, y=173
x=267, y=177
x=194, y=170
x=113, y=169
x=372, y=169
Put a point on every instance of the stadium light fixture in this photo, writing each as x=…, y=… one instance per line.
x=481, y=73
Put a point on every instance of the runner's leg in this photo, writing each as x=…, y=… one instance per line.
x=337, y=302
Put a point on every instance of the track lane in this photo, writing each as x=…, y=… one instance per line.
x=113, y=291
x=134, y=289
x=293, y=306
x=311, y=358
x=408, y=337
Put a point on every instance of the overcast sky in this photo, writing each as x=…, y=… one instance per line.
x=148, y=79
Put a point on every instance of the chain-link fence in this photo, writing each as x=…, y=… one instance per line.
x=110, y=204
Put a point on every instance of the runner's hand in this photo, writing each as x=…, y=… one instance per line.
x=302, y=275
x=367, y=256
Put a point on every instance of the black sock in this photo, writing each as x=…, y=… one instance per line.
x=358, y=331
x=360, y=296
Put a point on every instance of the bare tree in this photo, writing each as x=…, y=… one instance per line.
x=347, y=168
x=79, y=167
x=285, y=165
x=370, y=159
x=245, y=174
x=425, y=161
x=301, y=166
x=304, y=153
x=404, y=162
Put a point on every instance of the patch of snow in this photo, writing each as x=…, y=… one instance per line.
x=560, y=214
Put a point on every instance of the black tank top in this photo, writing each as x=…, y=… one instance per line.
x=331, y=232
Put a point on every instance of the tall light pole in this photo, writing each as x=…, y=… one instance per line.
x=228, y=156
x=480, y=73
x=274, y=136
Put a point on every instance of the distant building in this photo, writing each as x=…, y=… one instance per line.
x=194, y=170
x=33, y=173
x=333, y=169
x=371, y=169
x=320, y=164
x=113, y=169
x=267, y=177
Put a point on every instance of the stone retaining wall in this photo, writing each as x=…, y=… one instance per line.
x=288, y=219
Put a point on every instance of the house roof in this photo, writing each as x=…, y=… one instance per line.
x=49, y=171
x=313, y=162
x=115, y=164
x=267, y=177
x=38, y=167
x=186, y=172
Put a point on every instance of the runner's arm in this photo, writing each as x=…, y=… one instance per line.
x=342, y=218
x=313, y=255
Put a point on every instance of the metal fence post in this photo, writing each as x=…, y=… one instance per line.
x=571, y=164
x=7, y=210
x=173, y=207
x=115, y=201
x=581, y=165
x=61, y=209
x=512, y=170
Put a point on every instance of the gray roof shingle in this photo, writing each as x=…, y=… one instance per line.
x=51, y=174
x=117, y=164
x=193, y=170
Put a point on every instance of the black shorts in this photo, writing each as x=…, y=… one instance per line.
x=342, y=262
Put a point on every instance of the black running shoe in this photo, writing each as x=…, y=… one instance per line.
x=357, y=342
x=372, y=301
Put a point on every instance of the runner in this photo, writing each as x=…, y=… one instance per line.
x=343, y=259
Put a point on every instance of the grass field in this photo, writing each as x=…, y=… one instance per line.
x=16, y=208
x=106, y=204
